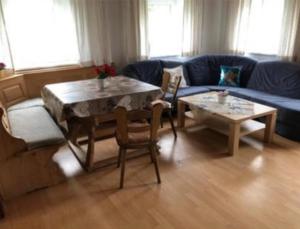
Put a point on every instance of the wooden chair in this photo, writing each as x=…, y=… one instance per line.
x=170, y=85
x=131, y=134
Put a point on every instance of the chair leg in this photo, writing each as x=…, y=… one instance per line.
x=123, y=161
x=2, y=215
x=153, y=153
x=151, y=156
x=119, y=158
x=172, y=123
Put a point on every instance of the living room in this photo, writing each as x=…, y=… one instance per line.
x=149, y=114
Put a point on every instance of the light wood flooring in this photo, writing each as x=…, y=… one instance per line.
x=202, y=187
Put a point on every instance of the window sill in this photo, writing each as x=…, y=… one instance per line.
x=50, y=69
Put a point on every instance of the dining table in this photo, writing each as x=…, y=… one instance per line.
x=85, y=106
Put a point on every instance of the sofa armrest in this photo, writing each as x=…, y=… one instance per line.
x=10, y=145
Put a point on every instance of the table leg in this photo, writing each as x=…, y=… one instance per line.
x=91, y=145
x=74, y=126
x=2, y=215
x=270, y=127
x=180, y=114
x=234, y=138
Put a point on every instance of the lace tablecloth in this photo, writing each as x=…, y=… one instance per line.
x=85, y=98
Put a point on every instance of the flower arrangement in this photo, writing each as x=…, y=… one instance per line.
x=105, y=70
x=2, y=66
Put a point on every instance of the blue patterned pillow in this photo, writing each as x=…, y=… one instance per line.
x=230, y=76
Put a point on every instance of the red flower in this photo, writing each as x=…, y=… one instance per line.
x=105, y=70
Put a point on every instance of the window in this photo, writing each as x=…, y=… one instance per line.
x=41, y=33
x=4, y=46
x=261, y=27
x=165, y=19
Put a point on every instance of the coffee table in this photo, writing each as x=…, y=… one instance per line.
x=233, y=116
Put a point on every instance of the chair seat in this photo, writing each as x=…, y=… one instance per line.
x=138, y=134
x=138, y=126
x=142, y=138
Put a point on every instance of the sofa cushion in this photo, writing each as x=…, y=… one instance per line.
x=230, y=76
x=149, y=71
x=259, y=96
x=36, y=102
x=278, y=78
x=288, y=115
x=187, y=91
x=174, y=64
x=220, y=88
x=205, y=70
x=288, y=109
x=35, y=126
x=175, y=73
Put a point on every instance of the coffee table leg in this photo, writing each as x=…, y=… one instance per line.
x=270, y=127
x=180, y=114
x=234, y=138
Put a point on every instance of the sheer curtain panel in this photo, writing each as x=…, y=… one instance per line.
x=41, y=33
x=266, y=27
x=192, y=27
x=5, y=56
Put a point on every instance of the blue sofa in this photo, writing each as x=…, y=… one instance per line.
x=273, y=83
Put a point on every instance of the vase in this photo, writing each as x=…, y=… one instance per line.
x=101, y=84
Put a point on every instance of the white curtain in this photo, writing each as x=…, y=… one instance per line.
x=5, y=56
x=41, y=33
x=92, y=31
x=134, y=30
x=290, y=24
x=192, y=27
x=266, y=27
x=111, y=30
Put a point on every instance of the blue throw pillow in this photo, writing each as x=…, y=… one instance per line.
x=230, y=76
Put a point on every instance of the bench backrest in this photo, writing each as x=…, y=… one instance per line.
x=4, y=120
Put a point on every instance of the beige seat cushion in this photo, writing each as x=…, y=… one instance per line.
x=36, y=102
x=35, y=126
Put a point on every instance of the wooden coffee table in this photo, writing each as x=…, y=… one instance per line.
x=233, y=117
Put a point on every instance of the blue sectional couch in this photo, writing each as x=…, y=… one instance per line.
x=273, y=83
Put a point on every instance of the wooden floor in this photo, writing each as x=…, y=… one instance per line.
x=202, y=187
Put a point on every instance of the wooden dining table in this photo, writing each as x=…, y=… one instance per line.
x=85, y=107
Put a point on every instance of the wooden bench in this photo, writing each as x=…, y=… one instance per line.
x=29, y=138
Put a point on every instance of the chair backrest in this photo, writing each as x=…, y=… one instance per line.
x=123, y=118
x=157, y=109
x=170, y=84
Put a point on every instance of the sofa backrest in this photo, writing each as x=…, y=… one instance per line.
x=277, y=77
x=205, y=70
x=149, y=71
